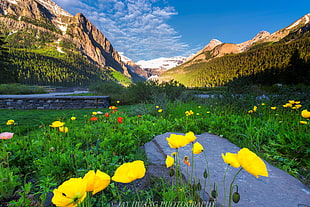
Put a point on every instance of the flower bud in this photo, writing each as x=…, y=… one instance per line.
x=198, y=186
x=205, y=173
x=214, y=193
x=171, y=172
x=236, y=197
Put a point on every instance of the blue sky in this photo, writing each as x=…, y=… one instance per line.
x=149, y=29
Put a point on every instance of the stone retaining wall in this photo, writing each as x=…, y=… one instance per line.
x=54, y=102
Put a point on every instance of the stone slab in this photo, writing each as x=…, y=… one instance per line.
x=278, y=190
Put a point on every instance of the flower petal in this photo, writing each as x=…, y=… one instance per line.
x=252, y=163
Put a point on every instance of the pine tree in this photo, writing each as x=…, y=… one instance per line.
x=6, y=74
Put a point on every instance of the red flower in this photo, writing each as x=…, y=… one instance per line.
x=120, y=120
x=94, y=118
x=106, y=115
x=113, y=107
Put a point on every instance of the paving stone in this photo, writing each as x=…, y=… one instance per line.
x=278, y=190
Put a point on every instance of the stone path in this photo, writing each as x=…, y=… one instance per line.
x=43, y=95
x=278, y=190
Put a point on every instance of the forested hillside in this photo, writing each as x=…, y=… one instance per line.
x=285, y=62
x=36, y=57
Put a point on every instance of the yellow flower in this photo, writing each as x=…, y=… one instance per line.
x=157, y=107
x=117, y=101
x=303, y=122
x=94, y=113
x=252, y=163
x=176, y=141
x=254, y=108
x=73, y=118
x=305, y=113
x=199, y=107
x=287, y=105
x=71, y=193
x=63, y=129
x=197, y=148
x=291, y=101
x=96, y=182
x=190, y=136
x=10, y=122
x=188, y=113
x=298, y=106
x=56, y=124
x=169, y=161
x=129, y=172
x=273, y=107
x=231, y=159
x=160, y=110
x=250, y=111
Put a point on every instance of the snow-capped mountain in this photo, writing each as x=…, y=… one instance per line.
x=161, y=63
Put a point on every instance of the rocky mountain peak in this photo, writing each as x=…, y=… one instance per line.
x=257, y=38
x=278, y=35
x=212, y=44
x=77, y=29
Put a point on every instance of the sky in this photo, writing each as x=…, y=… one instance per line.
x=149, y=29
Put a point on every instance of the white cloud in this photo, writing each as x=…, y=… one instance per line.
x=136, y=27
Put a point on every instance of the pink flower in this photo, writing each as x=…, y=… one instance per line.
x=6, y=135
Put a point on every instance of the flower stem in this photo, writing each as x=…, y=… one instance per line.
x=231, y=187
x=224, y=183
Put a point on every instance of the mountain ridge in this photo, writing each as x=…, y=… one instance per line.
x=46, y=16
x=276, y=53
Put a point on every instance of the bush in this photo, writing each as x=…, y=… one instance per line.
x=149, y=91
x=17, y=88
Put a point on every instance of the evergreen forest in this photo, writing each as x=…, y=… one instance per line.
x=285, y=62
x=36, y=57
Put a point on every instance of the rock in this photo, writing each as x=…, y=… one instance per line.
x=278, y=190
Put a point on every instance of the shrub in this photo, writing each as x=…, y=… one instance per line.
x=17, y=88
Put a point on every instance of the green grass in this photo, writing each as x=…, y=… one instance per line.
x=50, y=157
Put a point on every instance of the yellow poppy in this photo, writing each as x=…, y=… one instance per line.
x=160, y=110
x=129, y=172
x=252, y=163
x=169, y=161
x=71, y=193
x=73, y=118
x=10, y=122
x=176, y=141
x=231, y=159
x=197, y=148
x=190, y=136
x=273, y=107
x=303, y=122
x=305, y=113
x=254, y=108
x=96, y=181
x=57, y=124
x=291, y=101
x=63, y=129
